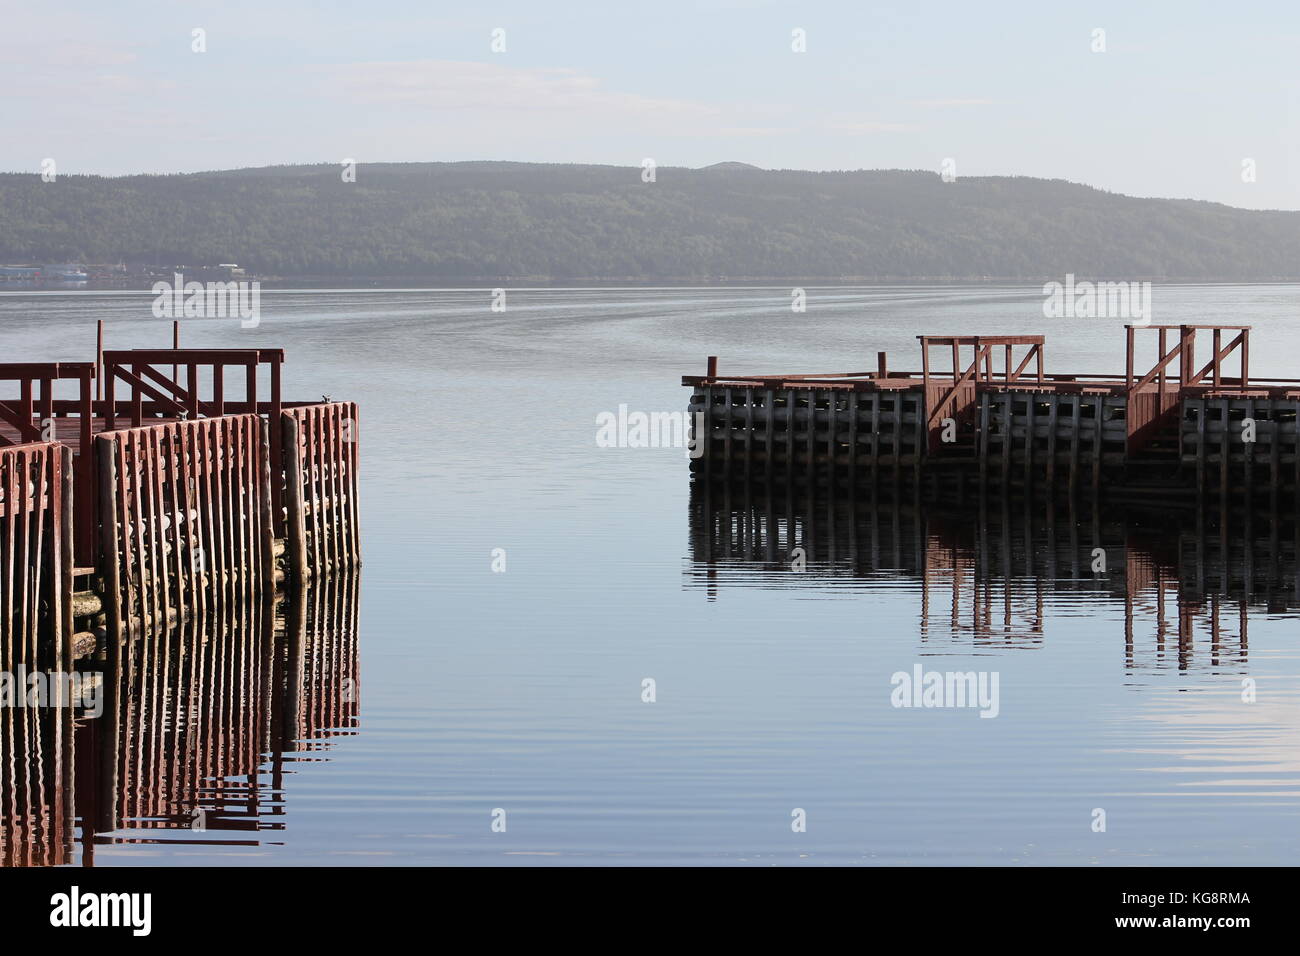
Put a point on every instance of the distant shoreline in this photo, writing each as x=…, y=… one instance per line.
x=532, y=283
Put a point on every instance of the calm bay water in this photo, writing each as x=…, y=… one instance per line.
x=522, y=690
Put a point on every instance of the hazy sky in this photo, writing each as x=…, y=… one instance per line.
x=1184, y=92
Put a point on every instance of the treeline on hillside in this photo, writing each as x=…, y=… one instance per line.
x=481, y=220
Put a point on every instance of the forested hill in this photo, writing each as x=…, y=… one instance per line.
x=517, y=220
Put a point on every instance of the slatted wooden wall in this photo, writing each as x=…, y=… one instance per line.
x=320, y=466
x=792, y=433
x=35, y=551
x=186, y=518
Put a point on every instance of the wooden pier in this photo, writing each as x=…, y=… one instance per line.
x=156, y=485
x=983, y=413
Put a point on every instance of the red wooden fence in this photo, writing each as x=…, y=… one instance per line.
x=35, y=553
x=320, y=465
x=186, y=522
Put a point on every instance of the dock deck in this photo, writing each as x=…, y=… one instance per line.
x=983, y=410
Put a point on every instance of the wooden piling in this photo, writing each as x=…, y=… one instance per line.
x=983, y=444
x=1006, y=442
x=1051, y=443
x=1076, y=409
x=1098, y=444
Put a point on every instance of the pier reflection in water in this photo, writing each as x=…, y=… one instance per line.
x=199, y=727
x=1187, y=584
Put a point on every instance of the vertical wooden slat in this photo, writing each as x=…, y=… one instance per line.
x=267, y=522
x=321, y=465
x=220, y=529
x=111, y=536
x=342, y=500
x=43, y=566
x=62, y=608
x=326, y=526
x=238, y=505
x=211, y=563
x=163, y=579
x=12, y=571
x=23, y=556
x=314, y=482
x=350, y=459
x=295, y=532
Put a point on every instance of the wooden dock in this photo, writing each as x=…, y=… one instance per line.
x=152, y=486
x=982, y=413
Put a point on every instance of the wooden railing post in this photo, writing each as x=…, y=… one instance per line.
x=1160, y=379
x=99, y=358
x=1244, y=338
x=1128, y=365
x=251, y=386
x=1218, y=364
x=25, y=409
x=110, y=401
x=137, y=399
x=192, y=386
